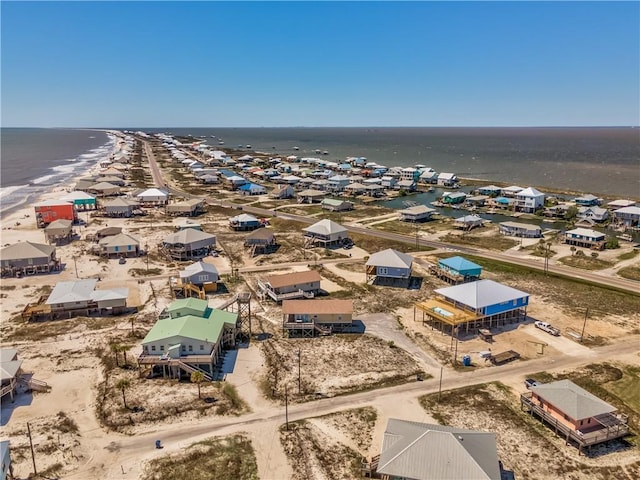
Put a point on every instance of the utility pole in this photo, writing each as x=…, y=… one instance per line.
x=584, y=325
x=146, y=251
x=286, y=408
x=440, y=387
x=75, y=266
x=299, y=376
x=33, y=456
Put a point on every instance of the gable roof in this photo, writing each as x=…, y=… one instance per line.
x=292, y=307
x=390, y=258
x=153, y=192
x=121, y=202
x=423, y=451
x=459, y=263
x=571, y=399
x=207, y=329
x=188, y=235
x=417, y=210
x=60, y=224
x=78, y=291
x=529, y=192
x=198, y=267
x=52, y=203
x=295, y=278
x=481, y=293
x=585, y=232
x=243, y=218
x=325, y=227
x=261, y=234
x=190, y=303
x=24, y=250
x=119, y=240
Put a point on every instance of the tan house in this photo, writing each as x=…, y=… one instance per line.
x=290, y=285
x=189, y=208
x=59, y=231
x=28, y=258
x=119, y=245
x=307, y=317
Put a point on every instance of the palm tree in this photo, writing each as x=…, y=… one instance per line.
x=123, y=349
x=115, y=349
x=123, y=384
x=197, y=377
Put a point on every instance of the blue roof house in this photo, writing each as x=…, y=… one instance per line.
x=252, y=189
x=458, y=270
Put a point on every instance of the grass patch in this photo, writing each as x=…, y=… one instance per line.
x=226, y=458
x=499, y=243
x=585, y=262
x=66, y=424
x=140, y=272
x=7, y=287
x=629, y=255
x=371, y=243
x=631, y=273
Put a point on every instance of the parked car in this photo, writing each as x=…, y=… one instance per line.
x=122, y=261
x=530, y=382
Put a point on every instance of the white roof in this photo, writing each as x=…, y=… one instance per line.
x=325, y=227
x=390, y=258
x=469, y=219
x=243, y=218
x=111, y=294
x=52, y=203
x=585, y=232
x=513, y=188
x=447, y=176
x=481, y=293
x=630, y=210
x=417, y=210
x=188, y=235
x=198, y=267
x=120, y=240
x=621, y=203
x=530, y=192
x=77, y=195
x=78, y=291
x=153, y=192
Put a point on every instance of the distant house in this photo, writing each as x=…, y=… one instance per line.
x=11, y=369
x=389, y=267
x=82, y=200
x=28, y=258
x=52, y=210
x=417, y=213
x=476, y=200
x=188, y=244
x=616, y=204
x=468, y=222
x=290, y=285
x=282, y=192
x=307, y=318
x=244, y=222
x=429, y=177
x=587, y=201
x=529, y=200
x=310, y=196
x=410, y=173
x=121, y=245
x=190, y=208
x=473, y=305
x=260, y=241
x=191, y=339
x=208, y=178
x=421, y=451
x=447, y=179
x=407, y=185
x=355, y=188
x=153, y=196
x=627, y=216
x=388, y=181
x=80, y=297
x=596, y=214
x=457, y=270
x=574, y=414
x=120, y=207
x=453, y=198
x=511, y=191
x=252, y=189
x=326, y=233
x=103, y=189
x=335, y=205
x=490, y=190
x=515, y=229
x=118, y=181
x=59, y=231
x=107, y=232
x=337, y=183
x=585, y=237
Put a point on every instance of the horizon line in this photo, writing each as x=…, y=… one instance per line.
x=319, y=126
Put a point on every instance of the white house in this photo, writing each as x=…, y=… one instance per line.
x=326, y=232
x=153, y=196
x=529, y=200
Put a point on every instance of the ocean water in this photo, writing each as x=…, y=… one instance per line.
x=602, y=161
x=34, y=160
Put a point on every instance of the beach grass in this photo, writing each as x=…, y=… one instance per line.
x=631, y=273
x=585, y=262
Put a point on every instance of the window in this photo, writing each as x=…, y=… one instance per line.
x=162, y=348
x=191, y=348
x=145, y=348
x=201, y=348
x=153, y=348
x=184, y=349
x=581, y=422
x=382, y=270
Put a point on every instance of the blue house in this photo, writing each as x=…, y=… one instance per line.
x=389, y=267
x=587, y=201
x=252, y=189
x=457, y=270
x=490, y=190
x=244, y=222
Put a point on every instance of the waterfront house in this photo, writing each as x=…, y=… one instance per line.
x=82, y=200
x=337, y=183
x=355, y=188
x=417, y=213
x=120, y=207
x=529, y=200
x=84, y=182
x=595, y=214
x=515, y=229
x=447, y=179
x=429, y=177
x=627, y=216
x=103, y=189
x=422, y=451
x=120, y=245
x=310, y=196
x=208, y=178
x=244, y=222
x=189, y=208
x=282, y=192
x=111, y=180
x=468, y=222
x=502, y=203
x=28, y=258
x=192, y=338
x=309, y=317
x=407, y=185
x=290, y=285
x=252, y=189
x=587, y=201
x=80, y=297
x=389, y=267
x=616, y=204
x=511, y=191
x=181, y=223
x=574, y=414
x=11, y=369
x=474, y=305
x=585, y=237
x=457, y=270
x=153, y=197
x=410, y=173
x=335, y=205
x=490, y=190
x=261, y=240
x=374, y=190
x=453, y=198
x=59, y=231
x=291, y=179
x=188, y=244
x=326, y=233
x=52, y=210
x=388, y=181
x=476, y=201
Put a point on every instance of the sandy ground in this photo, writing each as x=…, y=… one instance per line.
x=65, y=359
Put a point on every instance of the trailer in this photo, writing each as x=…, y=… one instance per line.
x=546, y=327
x=504, y=357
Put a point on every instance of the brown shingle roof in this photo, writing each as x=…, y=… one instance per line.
x=292, y=307
x=295, y=278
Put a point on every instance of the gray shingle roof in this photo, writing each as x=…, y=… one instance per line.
x=325, y=227
x=390, y=258
x=571, y=399
x=187, y=236
x=423, y=451
x=25, y=250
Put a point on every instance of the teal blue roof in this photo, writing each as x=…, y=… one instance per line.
x=459, y=264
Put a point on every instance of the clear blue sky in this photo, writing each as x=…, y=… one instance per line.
x=235, y=64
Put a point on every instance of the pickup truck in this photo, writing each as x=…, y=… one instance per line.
x=544, y=326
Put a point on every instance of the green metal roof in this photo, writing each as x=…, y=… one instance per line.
x=205, y=329
x=188, y=303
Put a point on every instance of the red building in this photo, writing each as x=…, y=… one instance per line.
x=51, y=210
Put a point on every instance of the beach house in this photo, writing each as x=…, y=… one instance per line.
x=453, y=198
x=336, y=205
x=595, y=214
x=52, y=210
x=261, y=241
x=6, y=472
x=429, y=177
x=82, y=200
x=576, y=415
x=337, y=183
x=10, y=369
x=310, y=196
x=188, y=244
x=627, y=216
x=252, y=189
x=153, y=197
x=511, y=191
x=325, y=233
x=195, y=280
x=588, y=200
x=120, y=207
x=468, y=222
x=191, y=336
x=306, y=318
x=585, y=237
x=190, y=208
x=244, y=222
x=59, y=231
x=103, y=189
x=456, y=270
x=282, y=192
x=516, y=229
x=474, y=305
x=28, y=258
x=305, y=284
x=120, y=245
x=422, y=451
x=447, y=179
x=417, y=213
x=490, y=190
x=389, y=267
x=529, y=200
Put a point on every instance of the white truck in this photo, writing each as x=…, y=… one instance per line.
x=547, y=328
